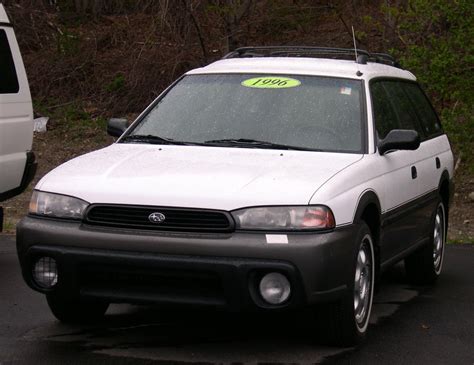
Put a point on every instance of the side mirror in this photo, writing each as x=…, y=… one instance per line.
x=116, y=126
x=399, y=139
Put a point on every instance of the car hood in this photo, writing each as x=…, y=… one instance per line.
x=195, y=176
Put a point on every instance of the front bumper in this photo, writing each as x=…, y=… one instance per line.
x=221, y=270
x=28, y=176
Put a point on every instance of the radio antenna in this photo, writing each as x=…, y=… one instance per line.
x=355, y=43
x=358, y=73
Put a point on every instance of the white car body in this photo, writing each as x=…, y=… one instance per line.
x=229, y=179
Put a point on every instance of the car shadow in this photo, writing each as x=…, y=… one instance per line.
x=162, y=333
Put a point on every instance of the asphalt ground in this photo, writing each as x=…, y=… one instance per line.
x=409, y=325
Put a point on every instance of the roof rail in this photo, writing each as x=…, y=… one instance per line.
x=305, y=51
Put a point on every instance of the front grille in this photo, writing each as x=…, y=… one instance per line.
x=176, y=219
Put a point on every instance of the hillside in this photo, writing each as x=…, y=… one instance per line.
x=88, y=61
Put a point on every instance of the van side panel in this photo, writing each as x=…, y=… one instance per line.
x=16, y=120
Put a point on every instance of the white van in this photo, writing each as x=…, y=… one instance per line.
x=17, y=162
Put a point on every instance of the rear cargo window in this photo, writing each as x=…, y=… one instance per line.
x=8, y=79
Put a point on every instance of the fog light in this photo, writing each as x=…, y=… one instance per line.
x=275, y=288
x=45, y=272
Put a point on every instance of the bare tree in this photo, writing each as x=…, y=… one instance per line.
x=232, y=12
x=191, y=11
x=81, y=6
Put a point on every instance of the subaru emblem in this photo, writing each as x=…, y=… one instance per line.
x=156, y=217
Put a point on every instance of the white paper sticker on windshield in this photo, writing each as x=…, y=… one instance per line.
x=345, y=90
x=277, y=238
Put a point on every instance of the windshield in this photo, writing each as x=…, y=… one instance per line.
x=306, y=112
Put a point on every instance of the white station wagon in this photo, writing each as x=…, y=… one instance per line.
x=275, y=178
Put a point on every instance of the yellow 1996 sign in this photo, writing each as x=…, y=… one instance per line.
x=271, y=82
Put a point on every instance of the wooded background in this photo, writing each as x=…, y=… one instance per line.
x=89, y=60
x=119, y=54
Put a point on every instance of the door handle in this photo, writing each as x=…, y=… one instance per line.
x=438, y=163
x=414, y=173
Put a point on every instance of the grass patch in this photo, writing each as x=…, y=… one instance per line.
x=9, y=226
x=461, y=240
x=76, y=125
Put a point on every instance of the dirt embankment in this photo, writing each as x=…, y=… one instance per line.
x=83, y=68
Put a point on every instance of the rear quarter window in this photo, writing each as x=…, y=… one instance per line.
x=8, y=79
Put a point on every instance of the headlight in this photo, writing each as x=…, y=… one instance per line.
x=285, y=218
x=56, y=205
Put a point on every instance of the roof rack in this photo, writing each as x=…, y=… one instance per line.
x=304, y=51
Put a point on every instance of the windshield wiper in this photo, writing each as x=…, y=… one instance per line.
x=253, y=143
x=230, y=142
x=149, y=138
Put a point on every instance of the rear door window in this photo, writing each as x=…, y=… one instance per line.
x=393, y=109
x=403, y=107
x=426, y=114
x=8, y=79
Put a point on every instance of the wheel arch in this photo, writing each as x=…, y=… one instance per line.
x=444, y=188
x=369, y=211
x=446, y=192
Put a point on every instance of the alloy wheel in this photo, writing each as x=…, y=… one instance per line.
x=438, y=239
x=363, y=283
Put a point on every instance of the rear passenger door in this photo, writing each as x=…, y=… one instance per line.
x=16, y=114
x=433, y=142
x=392, y=109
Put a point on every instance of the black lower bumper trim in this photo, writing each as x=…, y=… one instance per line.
x=130, y=277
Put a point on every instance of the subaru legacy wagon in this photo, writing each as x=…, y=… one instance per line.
x=277, y=178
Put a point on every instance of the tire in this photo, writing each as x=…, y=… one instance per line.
x=69, y=309
x=345, y=322
x=424, y=266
